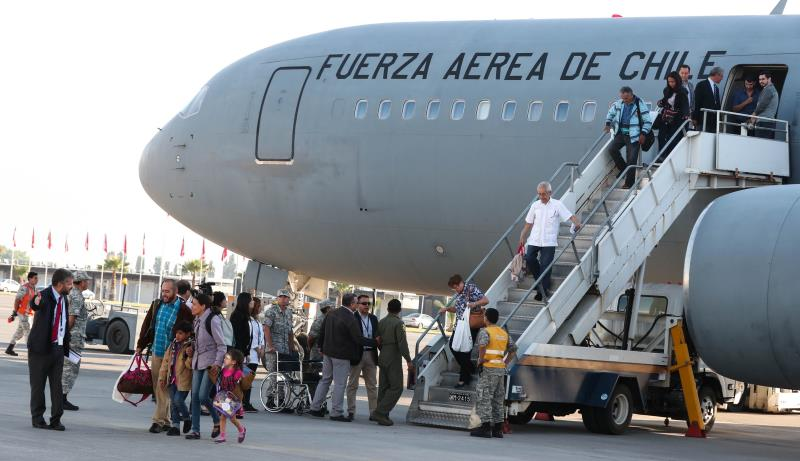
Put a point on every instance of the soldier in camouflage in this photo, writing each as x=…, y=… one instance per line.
x=22, y=310
x=279, y=331
x=78, y=318
x=497, y=348
x=316, y=327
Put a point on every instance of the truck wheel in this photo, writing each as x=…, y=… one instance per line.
x=118, y=337
x=708, y=406
x=616, y=416
x=589, y=420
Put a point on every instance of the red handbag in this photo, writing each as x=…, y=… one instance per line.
x=137, y=380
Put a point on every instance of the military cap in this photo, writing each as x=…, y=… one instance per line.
x=285, y=292
x=328, y=303
x=80, y=276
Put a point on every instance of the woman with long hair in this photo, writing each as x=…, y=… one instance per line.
x=256, y=350
x=240, y=320
x=674, y=111
x=208, y=352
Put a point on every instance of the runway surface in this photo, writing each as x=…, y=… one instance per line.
x=105, y=430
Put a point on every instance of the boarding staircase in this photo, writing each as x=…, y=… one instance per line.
x=593, y=266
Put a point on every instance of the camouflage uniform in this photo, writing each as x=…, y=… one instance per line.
x=77, y=307
x=24, y=326
x=281, y=324
x=491, y=385
x=316, y=327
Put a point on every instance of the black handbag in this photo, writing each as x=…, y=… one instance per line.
x=649, y=137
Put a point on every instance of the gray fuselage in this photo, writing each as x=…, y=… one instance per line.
x=369, y=200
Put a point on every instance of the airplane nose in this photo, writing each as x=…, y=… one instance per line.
x=148, y=169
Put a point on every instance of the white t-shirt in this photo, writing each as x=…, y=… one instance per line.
x=546, y=219
x=257, y=333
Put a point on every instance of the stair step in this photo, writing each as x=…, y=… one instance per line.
x=516, y=294
x=518, y=322
x=464, y=397
x=441, y=416
x=588, y=230
x=582, y=242
x=526, y=283
x=450, y=379
x=529, y=308
x=448, y=408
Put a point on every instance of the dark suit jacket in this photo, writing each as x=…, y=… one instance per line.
x=39, y=339
x=681, y=106
x=374, y=321
x=704, y=99
x=341, y=338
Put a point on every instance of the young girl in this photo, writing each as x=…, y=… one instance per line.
x=230, y=387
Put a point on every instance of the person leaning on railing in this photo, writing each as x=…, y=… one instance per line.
x=767, y=107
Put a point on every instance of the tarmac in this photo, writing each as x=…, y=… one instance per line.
x=106, y=430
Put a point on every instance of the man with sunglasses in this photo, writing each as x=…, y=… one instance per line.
x=368, y=366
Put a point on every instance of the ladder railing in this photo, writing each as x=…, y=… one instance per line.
x=609, y=224
x=575, y=170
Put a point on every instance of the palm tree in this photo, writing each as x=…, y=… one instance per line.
x=340, y=288
x=113, y=263
x=195, y=266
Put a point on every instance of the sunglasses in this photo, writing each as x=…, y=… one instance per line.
x=366, y=303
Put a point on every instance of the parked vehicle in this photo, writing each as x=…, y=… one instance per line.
x=9, y=285
x=418, y=320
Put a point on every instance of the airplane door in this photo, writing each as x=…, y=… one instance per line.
x=278, y=116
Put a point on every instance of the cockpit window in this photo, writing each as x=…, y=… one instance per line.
x=195, y=104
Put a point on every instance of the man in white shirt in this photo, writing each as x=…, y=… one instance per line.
x=540, y=234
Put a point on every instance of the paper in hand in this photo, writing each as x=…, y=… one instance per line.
x=74, y=357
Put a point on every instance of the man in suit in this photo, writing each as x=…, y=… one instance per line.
x=394, y=348
x=708, y=95
x=685, y=71
x=48, y=344
x=367, y=367
x=341, y=342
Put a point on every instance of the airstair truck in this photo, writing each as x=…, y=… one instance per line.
x=573, y=353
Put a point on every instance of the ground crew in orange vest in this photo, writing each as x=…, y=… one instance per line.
x=496, y=350
x=22, y=309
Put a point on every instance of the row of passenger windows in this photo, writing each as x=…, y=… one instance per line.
x=482, y=110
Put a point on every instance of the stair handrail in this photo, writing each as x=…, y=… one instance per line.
x=575, y=167
x=594, y=210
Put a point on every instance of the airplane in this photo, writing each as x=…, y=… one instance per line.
x=394, y=155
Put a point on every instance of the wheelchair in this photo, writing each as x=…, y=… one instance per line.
x=284, y=390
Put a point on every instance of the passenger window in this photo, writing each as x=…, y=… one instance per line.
x=483, y=109
x=433, y=109
x=385, y=109
x=535, y=111
x=562, y=109
x=509, y=108
x=361, y=109
x=458, y=110
x=589, y=111
x=408, y=109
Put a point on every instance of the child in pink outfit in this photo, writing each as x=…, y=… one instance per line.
x=228, y=401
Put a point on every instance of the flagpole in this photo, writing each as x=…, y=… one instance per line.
x=11, y=274
x=122, y=273
x=139, y=288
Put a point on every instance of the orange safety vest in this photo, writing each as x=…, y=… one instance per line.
x=496, y=349
x=25, y=306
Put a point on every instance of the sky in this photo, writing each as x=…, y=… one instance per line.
x=84, y=85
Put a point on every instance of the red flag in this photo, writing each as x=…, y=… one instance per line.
x=66, y=244
x=49, y=240
x=183, y=243
x=203, y=254
x=125, y=246
x=143, y=237
x=224, y=253
x=33, y=238
x=105, y=243
x=14, y=238
x=86, y=243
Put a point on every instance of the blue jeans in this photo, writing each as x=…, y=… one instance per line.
x=537, y=258
x=201, y=394
x=178, y=410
